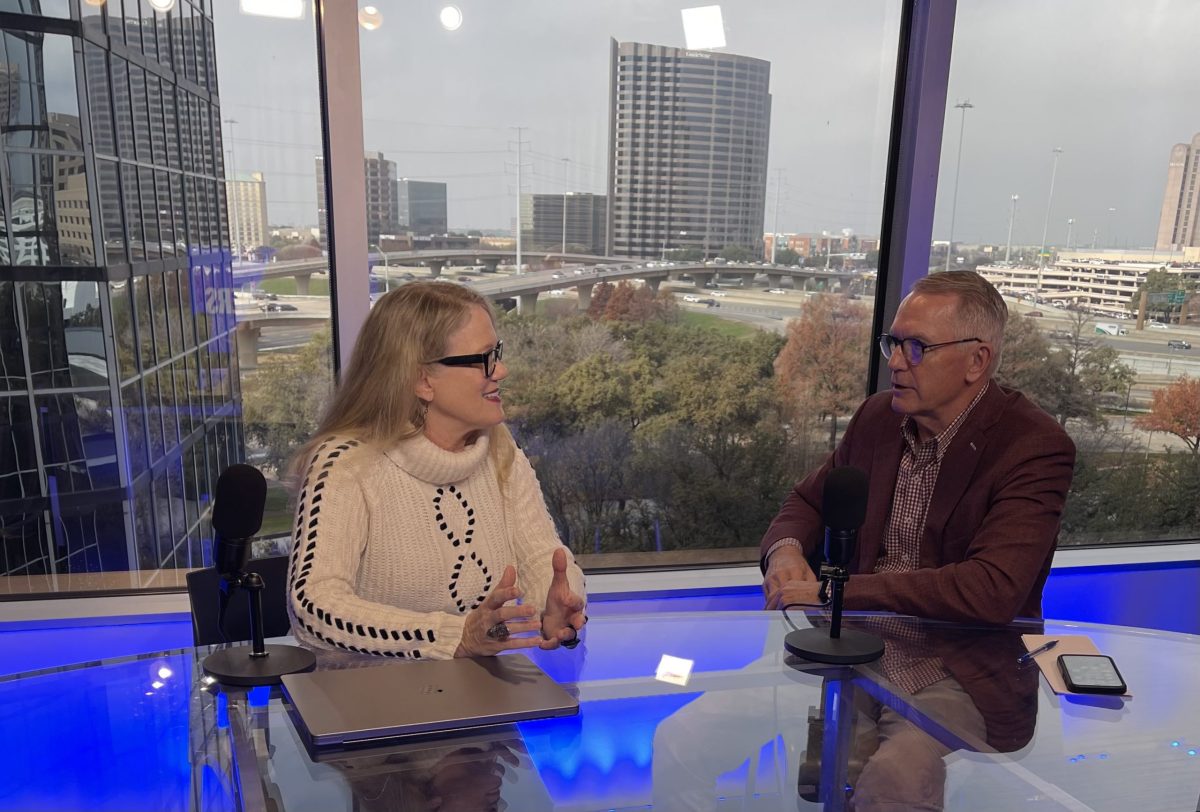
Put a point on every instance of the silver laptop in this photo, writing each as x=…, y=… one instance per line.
x=357, y=706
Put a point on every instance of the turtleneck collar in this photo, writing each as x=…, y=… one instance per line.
x=425, y=461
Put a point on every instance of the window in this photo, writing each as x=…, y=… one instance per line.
x=657, y=427
x=1072, y=163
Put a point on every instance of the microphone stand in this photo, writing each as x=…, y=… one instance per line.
x=839, y=647
x=263, y=665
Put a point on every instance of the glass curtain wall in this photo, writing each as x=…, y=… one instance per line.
x=1069, y=178
x=131, y=327
x=678, y=213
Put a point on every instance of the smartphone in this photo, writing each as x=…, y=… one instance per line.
x=1091, y=674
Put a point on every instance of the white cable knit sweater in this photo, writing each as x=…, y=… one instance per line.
x=391, y=550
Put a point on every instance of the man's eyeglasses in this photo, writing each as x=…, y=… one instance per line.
x=488, y=359
x=914, y=350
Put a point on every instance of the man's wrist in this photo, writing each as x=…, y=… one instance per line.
x=782, y=543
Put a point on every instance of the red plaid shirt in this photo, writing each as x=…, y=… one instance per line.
x=915, y=481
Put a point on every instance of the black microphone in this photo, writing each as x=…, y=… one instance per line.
x=843, y=507
x=237, y=515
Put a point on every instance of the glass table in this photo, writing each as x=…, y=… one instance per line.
x=947, y=718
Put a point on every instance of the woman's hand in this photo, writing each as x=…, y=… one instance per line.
x=492, y=613
x=563, y=618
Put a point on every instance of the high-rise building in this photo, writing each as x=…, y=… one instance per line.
x=577, y=219
x=118, y=370
x=247, y=194
x=688, y=133
x=421, y=206
x=382, y=208
x=1179, y=223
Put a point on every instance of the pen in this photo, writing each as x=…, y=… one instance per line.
x=1044, y=647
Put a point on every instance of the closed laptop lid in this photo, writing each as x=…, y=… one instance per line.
x=409, y=698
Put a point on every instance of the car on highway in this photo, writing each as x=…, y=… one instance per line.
x=1034, y=314
x=719, y=293
x=556, y=275
x=1178, y=344
x=777, y=291
x=690, y=298
x=1157, y=325
x=579, y=271
x=710, y=303
x=279, y=307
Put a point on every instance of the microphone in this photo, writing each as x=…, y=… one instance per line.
x=237, y=515
x=843, y=508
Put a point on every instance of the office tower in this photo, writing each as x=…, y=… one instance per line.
x=247, y=194
x=119, y=396
x=1179, y=223
x=578, y=218
x=688, y=134
x=380, y=176
x=421, y=207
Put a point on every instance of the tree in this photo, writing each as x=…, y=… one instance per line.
x=822, y=367
x=295, y=251
x=1071, y=380
x=284, y=399
x=1160, y=281
x=1175, y=409
x=685, y=254
x=739, y=253
x=601, y=293
x=786, y=256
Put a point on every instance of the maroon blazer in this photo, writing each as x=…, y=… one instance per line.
x=992, y=524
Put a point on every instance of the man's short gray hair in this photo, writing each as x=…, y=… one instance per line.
x=982, y=312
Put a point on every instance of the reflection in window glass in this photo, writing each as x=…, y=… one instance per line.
x=78, y=445
x=40, y=86
x=170, y=417
x=122, y=107
x=121, y=302
x=64, y=334
x=133, y=215
x=109, y=186
x=18, y=456
x=12, y=359
x=135, y=428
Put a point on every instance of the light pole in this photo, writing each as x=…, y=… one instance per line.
x=1012, y=216
x=1037, y=299
x=231, y=174
x=775, y=232
x=567, y=186
x=962, y=125
x=1070, y=228
x=1112, y=231
x=666, y=237
x=387, y=275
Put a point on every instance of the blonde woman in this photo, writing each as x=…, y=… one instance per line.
x=419, y=522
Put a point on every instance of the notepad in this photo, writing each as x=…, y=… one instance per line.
x=1047, y=661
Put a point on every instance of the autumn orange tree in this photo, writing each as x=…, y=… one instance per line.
x=1175, y=409
x=822, y=367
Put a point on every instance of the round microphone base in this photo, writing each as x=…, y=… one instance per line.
x=235, y=666
x=851, y=648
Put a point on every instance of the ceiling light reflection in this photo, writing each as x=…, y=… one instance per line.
x=451, y=18
x=370, y=18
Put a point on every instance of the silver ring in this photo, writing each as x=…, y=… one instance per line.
x=499, y=632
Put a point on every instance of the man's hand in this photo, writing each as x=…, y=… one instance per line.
x=794, y=592
x=564, y=616
x=785, y=565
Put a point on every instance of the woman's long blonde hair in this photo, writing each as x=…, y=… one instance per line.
x=375, y=401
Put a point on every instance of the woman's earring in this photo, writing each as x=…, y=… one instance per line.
x=422, y=412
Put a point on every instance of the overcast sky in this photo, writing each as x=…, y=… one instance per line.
x=1114, y=83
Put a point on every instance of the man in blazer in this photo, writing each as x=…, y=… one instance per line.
x=967, y=479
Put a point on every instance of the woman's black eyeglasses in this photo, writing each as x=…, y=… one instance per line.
x=488, y=359
x=914, y=350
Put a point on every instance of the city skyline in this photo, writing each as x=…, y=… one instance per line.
x=833, y=81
